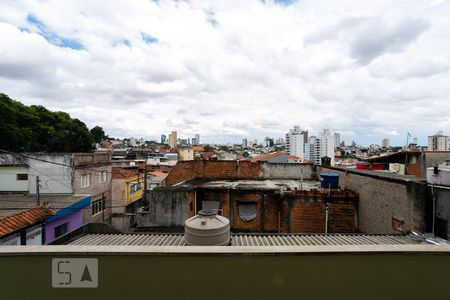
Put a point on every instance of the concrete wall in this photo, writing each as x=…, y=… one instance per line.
x=166, y=209
x=442, y=204
x=8, y=179
x=387, y=203
x=55, y=179
x=315, y=275
x=287, y=171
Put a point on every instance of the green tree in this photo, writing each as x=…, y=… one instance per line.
x=98, y=134
x=35, y=128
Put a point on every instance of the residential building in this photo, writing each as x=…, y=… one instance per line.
x=312, y=150
x=61, y=174
x=295, y=141
x=386, y=143
x=127, y=188
x=326, y=145
x=185, y=153
x=256, y=197
x=438, y=142
x=196, y=140
x=163, y=139
x=173, y=139
x=408, y=162
x=275, y=157
x=244, y=143
x=71, y=211
x=25, y=227
x=337, y=140
x=155, y=179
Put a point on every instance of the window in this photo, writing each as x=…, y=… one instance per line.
x=98, y=205
x=247, y=211
x=102, y=177
x=61, y=229
x=22, y=177
x=135, y=186
x=85, y=180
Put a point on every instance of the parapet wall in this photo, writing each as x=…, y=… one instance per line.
x=387, y=203
x=235, y=170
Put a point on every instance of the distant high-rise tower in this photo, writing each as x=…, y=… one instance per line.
x=163, y=139
x=327, y=144
x=386, y=143
x=438, y=142
x=196, y=140
x=337, y=140
x=295, y=141
x=173, y=139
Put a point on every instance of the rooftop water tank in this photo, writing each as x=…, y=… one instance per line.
x=207, y=229
x=329, y=180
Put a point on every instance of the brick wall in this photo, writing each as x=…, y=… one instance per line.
x=308, y=216
x=383, y=197
x=302, y=212
x=233, y=170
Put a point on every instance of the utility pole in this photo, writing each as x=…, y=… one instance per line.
x=38, y=197
x=144, y=196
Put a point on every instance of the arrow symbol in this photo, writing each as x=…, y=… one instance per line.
x=86, y=275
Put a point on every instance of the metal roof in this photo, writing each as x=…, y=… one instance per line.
x=246, y=240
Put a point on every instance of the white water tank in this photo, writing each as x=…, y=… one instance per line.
x=207, y=229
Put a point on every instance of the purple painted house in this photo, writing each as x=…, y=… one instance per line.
x=66, y=219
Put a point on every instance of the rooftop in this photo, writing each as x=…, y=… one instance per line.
x=246, y=240
x=24, y=219
x=267, y=156
x=15, y=203
x=267, y=185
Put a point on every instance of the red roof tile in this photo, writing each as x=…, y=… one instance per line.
x=264, y=157
x=24, y=219
x=158, y=174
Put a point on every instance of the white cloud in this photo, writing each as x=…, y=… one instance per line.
x=233, y=69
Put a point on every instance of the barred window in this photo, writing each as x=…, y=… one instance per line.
x=98, y=205
x=22, y=177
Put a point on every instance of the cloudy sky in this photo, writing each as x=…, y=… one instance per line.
x=232, y=69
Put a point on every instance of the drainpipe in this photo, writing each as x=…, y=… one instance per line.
x=434, y=208
x=326, y=219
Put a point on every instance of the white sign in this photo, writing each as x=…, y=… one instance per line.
x=75, y=273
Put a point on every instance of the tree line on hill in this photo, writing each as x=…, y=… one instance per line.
x=37, y=129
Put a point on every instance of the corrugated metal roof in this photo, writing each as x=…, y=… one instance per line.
x=246, y=240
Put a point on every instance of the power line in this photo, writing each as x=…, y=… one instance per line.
x=56, y=163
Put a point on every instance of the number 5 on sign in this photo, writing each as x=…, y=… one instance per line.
x=74, y=273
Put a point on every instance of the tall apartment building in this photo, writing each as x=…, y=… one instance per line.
x=295, y=141
x=173, y=139
x=312, y=150
x=438, y=142
x=163, y=139
x=327, y=144
x=244, y=143
x=196, y=140
x=386, y=143
x=337, y=140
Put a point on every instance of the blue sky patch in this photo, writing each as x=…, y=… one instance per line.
x=52, y=37
x=148, y=38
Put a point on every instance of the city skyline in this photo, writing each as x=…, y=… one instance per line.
x=251, y=68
